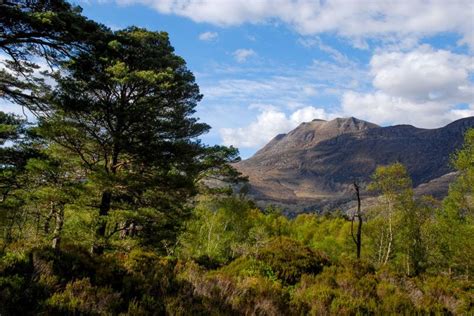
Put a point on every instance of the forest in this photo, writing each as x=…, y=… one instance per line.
x=109, y=205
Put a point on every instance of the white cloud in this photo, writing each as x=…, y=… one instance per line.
x=208, y=36
x=309, y=113
x=424, y=74
x=353, y=19
x=269, y=123
x=381, y=108
x=242, y=54
x=423, y=87
x=331, y=51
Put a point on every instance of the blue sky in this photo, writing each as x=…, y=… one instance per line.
x=265, y=66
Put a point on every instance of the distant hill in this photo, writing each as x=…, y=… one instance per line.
x=314, y=165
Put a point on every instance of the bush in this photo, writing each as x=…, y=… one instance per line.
x=247, y=293
x=289, y=259
x=443, y=295
x=19, y=291
x=393, y=299
x=81, y=297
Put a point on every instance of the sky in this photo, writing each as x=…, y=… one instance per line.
x=265, y=66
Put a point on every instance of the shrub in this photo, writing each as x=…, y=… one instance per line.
x=19, y=293
x=393, y=299
x=445, y=295
x=289, y=259
x=81, y=297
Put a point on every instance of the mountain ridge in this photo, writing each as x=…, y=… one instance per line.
x=316, y=163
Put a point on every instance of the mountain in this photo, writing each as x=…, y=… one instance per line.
x=314, y=165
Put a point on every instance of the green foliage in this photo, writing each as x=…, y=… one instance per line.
x=124, y=109
x=442, y=295
x=289, y=259
x=50, y=31
x=16, y=148
x=218, y=229
x=396, y=229
x=331, y=235
x=115, y=164
x=453, y=229
x=80, y=297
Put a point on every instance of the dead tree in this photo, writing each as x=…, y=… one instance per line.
x=358, y=237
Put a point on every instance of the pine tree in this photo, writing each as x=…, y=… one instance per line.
x=39, y=32
x=125, y=108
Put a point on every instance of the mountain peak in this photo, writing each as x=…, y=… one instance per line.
x=351, y=121
x=349, y=124
x=309, y=134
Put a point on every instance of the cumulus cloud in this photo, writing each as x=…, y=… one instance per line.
x=423, y=87
x=269, y=123
x=353, y=19
x=208, y=36
x=382, y=108
x=424, y=74
x=242, y=54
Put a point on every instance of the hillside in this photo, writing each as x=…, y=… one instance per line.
x=315, y=164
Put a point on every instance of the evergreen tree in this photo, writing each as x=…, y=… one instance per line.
x=39, y=32
x=125, y=108
x=54, y=183
x=16, y=148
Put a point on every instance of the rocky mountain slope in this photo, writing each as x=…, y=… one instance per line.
x=315, y=164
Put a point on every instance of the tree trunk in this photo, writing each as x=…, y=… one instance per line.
x=381, y=247
x=104, y=208
x=59, y=227
x=390, y=235
x=131, y=229
x=359, y=227
x=49, y=217
x=358, y=237
x=124, y=230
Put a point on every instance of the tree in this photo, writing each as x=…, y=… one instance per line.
x=125, y=108
x=39, y=31
x=460, y=200
x=218, y=229
x=358, y=237
x=15, y=150
x=394, y=185
x=403, y=217
x=454, y=227
x=55, y=181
